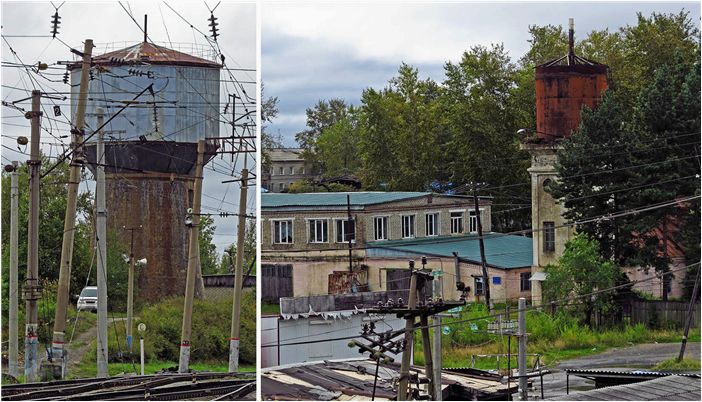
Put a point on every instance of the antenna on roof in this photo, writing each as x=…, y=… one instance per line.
x=146, y=17
x=571, y=42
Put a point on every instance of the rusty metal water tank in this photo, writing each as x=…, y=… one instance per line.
x=563, y=87
x=151, y=149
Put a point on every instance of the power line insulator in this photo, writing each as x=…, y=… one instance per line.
x=55, y=24
x=65, y=77
x=213, y=27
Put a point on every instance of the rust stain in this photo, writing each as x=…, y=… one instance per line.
x=561, y=92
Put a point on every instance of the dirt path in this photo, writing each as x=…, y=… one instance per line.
x=81, y=345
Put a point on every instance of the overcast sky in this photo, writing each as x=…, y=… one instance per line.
x=106, y=22
x=312, y=51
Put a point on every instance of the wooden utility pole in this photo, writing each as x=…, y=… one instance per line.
x=436, y=321
x=486, y=281
x=238, y=274
x=348, y=227
x=31, y=287
x=409, y=337
x=521, y=359
x=14, y=244
x=193, y=259
x=688, y=319
x=101, y=231
x=130, y=287
x=69, y=224
x=428, y=362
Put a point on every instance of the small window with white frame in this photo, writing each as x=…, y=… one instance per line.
x=380, y=225
x=283, y=231
x=318, y=231
x=281, y=171
x=457, y=222
x=473, y=221
x=408, y=226
x=345, y=230
x=432, y=224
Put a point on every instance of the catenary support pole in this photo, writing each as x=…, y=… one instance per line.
x=130, y=287
x=69, y=223
x=238, y=276
x=523, y=394
x=688, y=319
x=409, y=338
x=428, y=360
x=486, y=279
x=101, y=232
x=12, y=347
x=436, y=353
x=31, y=287
x=186, y=331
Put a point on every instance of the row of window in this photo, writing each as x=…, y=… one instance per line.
x=345, y=230
x=524, y=283
x=282, y=171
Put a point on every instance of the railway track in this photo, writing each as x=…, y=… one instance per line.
x=158, y=387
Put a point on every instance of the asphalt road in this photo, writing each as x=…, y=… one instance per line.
x=642, y=356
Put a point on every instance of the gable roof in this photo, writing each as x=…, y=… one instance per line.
x=501, y=251
x=670, y=388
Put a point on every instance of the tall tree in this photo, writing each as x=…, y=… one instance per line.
x=337, y=146
x=324, y=114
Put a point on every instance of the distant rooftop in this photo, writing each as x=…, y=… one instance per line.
x=285, y=154
x=362, y=198
x=501, y=251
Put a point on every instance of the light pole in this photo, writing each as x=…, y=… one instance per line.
x=130, y=285
x=141, y=328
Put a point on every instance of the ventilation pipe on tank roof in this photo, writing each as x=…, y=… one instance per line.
x=571, y=42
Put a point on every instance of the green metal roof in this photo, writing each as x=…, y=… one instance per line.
x=274, y=200
x=501, y=251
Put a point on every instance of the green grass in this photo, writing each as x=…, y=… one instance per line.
x=555, y=338
x=270, y=308
x=673, y=365
x=88, y=368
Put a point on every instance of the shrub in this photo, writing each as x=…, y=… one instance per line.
x=211, y=325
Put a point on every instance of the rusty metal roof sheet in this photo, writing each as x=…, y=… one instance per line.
x=150, y=53
x=349, y=379
x=669, y=388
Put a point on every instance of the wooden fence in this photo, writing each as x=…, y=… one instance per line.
x=660, y=313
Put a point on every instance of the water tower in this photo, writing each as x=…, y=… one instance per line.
x=151, y=149
x=563, y=87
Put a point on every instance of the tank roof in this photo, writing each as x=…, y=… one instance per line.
x=150, y=53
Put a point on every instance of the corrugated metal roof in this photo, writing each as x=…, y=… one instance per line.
x=275, y=200
x=146, y=52
x=285, y=154
x=670, y=388
x=501, y=251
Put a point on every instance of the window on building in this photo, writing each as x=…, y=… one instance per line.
x=281, y=171
x=432, y=224
x=319, y=229
x=473, y=221
x=380, y=223
x=302, y=170
x=479, y=288
x=407, y=226
x=524, y=282
x=549, y=236
x=281, y=186
x=292, y=170
x=345, y=230
x=283, y=232
x=456, y=222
